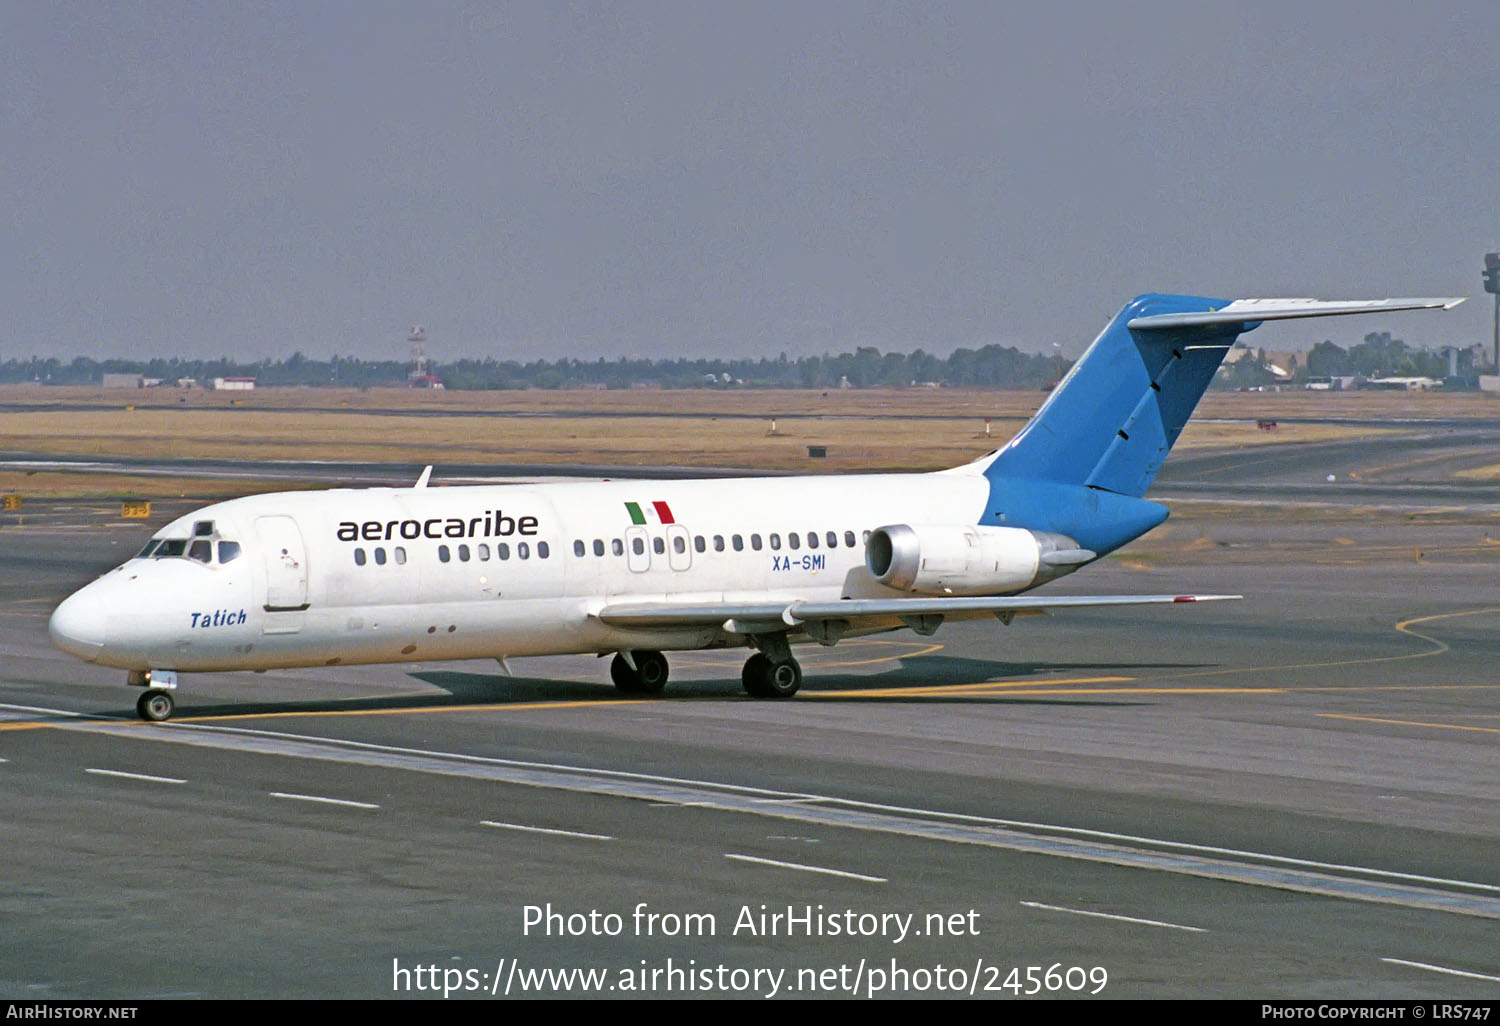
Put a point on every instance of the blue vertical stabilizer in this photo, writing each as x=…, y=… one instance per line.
x=1082, y=465
x=1110, y=423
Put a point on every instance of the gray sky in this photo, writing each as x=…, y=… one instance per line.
x=661, y=179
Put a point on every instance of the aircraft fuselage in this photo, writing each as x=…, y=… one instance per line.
x=391, y=575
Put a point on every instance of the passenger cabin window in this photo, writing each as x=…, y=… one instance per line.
x=679, y=544
x=598, y=546
x=578, y=547
x=361, y=557
x=700, y=544
x=543, y=550
x=792, y=541
x=812, y=539
x=832, y=540
x=738, y=543
x=618, y=547
x=658, y=546
x=755, y=542
x=637, y=546
x=463, y=553
x=502, y=551
x=775, y=542
x=718, y=543
x=523, y=550
x=444, y=555
x=484, y=553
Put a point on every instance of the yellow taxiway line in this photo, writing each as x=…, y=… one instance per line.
x=983, y=689
x=1409, y=723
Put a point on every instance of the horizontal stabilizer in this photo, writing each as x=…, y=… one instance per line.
x=1254, y=311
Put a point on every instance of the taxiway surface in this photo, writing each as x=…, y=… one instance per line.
x=1295, y=795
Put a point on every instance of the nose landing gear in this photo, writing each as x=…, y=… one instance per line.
x=155, y=704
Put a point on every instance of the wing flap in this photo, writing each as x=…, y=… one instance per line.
x=690, y=614
x=850, y=609
x=761, y=617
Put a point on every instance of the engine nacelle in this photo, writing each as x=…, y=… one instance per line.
x=957, y=559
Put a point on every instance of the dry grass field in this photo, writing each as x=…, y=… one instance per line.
x=901, y=429
x=739, y=402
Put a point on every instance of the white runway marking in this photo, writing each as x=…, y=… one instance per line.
x=324, y=801
x=133, y=776
x=807, y=869
x=1118, y=919
x=1442, y=969
x=546, y=830
x=30, y=709
x=1257, y=869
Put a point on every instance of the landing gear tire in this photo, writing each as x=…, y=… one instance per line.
x=754, y=674
x=764, y=678
x=648, y=677
x=155, y=706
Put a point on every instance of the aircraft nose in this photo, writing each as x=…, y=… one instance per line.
x=77, y=626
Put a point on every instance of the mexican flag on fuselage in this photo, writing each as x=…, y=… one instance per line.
x=649, y=513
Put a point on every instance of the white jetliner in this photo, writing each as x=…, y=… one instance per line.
x=636, y=568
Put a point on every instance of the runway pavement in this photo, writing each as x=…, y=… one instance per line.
x=1290, y=796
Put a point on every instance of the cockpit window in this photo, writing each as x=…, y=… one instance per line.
x=203, y=528
x=197, y=548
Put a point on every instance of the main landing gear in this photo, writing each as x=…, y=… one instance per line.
x=765, y=677
x=639, y=672
x=769, y=673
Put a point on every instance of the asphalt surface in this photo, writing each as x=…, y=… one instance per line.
x=1290, y=796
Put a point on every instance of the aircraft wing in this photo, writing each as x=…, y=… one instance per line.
x=851, y=614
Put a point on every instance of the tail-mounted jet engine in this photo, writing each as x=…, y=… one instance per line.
x=954, y=559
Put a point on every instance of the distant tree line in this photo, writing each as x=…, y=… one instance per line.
x=990, y=366
x=295, y=370
x=1378, y=356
